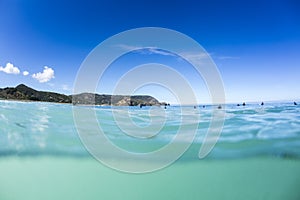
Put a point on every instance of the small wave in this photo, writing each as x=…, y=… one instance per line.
x=42, y=128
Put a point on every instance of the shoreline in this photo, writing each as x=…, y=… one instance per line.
x=173, y=105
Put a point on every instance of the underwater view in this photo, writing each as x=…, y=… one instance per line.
x=256, y=156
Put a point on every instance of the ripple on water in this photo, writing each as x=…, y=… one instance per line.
x=251, y=130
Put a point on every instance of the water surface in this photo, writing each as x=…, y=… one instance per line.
x=256, y=157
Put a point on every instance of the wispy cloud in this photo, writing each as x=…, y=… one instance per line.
x=196, y=57
x=10, y=69
x=146, y=50
x=154, y=50
x=45, y=76
x=200, y=57
x=128, y=47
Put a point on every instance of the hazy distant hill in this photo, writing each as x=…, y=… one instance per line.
x=117, y=100
x=23, y=92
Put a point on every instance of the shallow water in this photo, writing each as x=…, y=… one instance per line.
x=31, y=128
x=256, y=157
x=84, y=178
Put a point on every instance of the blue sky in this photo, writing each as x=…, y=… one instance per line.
x=255, y=44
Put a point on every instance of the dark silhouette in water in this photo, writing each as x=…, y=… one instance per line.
x=20, y=125
x=295, y=103
x=238, y=104
x=262, y=103
x=194, y=107
x=244, y=104
x=219, y=107
x=166, y=104
x=142, y=105
x=203, y=106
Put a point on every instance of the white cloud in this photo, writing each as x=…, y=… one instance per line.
x=25, y=73
x=10, y=69
x=45, y=76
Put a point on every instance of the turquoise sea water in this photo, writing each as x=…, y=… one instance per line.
x=256, y=157
x=29, y=128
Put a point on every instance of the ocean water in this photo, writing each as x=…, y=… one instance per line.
x=256, y=156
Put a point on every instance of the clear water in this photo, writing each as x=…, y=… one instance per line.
x=30, y=128
x=256, y=157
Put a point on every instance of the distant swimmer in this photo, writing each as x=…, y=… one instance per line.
x=295, y=103
x=244, y=104
x=194, y=107
x=262, y=103
x=238, y=104
x=219, y=107
x=203, y=106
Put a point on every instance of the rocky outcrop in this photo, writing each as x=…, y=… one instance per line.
x=115, y=100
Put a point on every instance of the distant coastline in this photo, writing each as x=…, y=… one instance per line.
x=27, y=94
